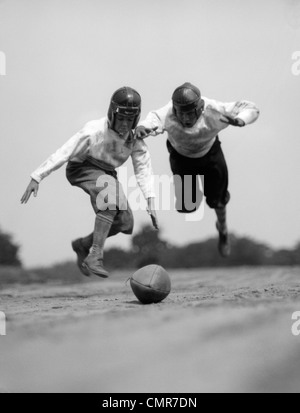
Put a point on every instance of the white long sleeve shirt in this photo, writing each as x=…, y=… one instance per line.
x=98, y=141
x=197, y=141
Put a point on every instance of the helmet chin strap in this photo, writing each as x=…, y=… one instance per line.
x=123, y=135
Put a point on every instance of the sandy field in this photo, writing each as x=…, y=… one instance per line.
x=218, y=331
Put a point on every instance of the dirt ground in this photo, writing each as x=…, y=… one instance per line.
x=218, y=331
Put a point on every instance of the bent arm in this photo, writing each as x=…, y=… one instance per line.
x=76, y=145
x=155, y=120
x=143, y=169
x=144, y=174
x=243, y=110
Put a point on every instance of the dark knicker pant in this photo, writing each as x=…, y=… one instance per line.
x=87, y=176
x=186, y=178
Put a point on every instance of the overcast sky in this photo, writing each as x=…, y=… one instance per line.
x=65, y=58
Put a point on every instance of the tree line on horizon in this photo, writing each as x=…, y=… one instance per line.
x=148, y=247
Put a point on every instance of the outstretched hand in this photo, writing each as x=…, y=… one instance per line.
x=152, y=212
x=232, y=121
x=141, y=132
x=33, y=187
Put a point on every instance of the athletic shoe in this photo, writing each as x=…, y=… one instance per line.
x=94, y=265
x=82, y=253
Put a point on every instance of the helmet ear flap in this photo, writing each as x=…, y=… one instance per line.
x=111, y=118
x=136, y=122
x=200, y=108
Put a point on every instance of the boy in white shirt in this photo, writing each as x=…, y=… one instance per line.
x=193, y=123
x=93, y=155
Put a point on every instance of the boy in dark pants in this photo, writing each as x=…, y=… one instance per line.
x=93, y=155
x=193, y=123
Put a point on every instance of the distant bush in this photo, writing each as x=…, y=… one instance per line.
x=149, y=248
x=65, y=273
x=9, y=251
x=116, y=258
x=12, y=275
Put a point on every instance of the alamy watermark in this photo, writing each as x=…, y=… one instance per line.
x=296, y=324
x=296, y=64
x=2, y=324
x=2, y=64
x=183, y=194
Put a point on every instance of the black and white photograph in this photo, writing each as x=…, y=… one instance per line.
x=149, y=220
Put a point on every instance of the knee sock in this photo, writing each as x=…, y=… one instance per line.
x=87, y=241
x=103, y=223
x=222, y=222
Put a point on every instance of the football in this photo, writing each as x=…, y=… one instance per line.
x=151, y=284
